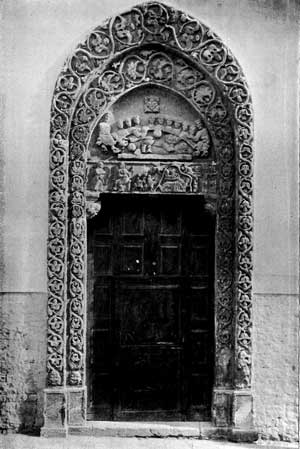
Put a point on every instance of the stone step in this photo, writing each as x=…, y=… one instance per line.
x=200, y=430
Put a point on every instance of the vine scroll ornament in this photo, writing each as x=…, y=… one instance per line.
x=157, y=47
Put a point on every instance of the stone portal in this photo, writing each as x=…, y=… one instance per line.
x=151, y=103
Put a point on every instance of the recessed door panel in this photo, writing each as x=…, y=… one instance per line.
x=151, y=324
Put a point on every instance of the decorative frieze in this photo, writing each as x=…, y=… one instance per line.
x=150, y=177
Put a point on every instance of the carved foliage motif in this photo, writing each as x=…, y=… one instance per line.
x=144, y=24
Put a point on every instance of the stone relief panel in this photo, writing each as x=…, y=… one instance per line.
x=151, y=151
x=150, y=178
x=188, y=58
x=151, y=138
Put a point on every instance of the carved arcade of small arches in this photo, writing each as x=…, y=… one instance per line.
x=115, y=127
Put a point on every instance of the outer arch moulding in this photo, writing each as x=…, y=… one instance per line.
x=144, y=25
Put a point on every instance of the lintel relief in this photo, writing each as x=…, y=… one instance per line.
x=151, y=102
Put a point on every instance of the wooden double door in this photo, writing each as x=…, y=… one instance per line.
x=150, y=309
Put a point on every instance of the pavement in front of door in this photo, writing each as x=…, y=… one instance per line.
x=19, y=441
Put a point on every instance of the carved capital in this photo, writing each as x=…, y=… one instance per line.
x=92, y=209
x=210, y=204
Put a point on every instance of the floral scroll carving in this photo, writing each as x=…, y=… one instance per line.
x=188, y=58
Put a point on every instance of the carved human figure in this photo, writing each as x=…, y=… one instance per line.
x=157, y=132
x=105, y=137
x=137, y=138
x=121, y=134
x=169, y=143
x=123, y=181
x=150, y=181
x=199, y=134
x=122, y=28
x=134, y=133
x=58, y=140
x=100, y=174
x=222, y=366
x=177, y=127
x=146, y=140
x=169, y=126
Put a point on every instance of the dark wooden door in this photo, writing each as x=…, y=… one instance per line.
x=150, y=309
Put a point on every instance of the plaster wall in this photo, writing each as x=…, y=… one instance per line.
x=37, y=36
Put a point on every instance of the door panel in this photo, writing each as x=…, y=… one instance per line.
x=148, y=314
x=150, y=321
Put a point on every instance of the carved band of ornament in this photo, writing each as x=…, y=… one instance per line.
x=142, y=25
x=76, y=291
x=56, y=263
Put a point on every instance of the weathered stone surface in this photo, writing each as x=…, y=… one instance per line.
x=276, y=374
x=138, y=429
x=77, y=406
x=22, y=360
x=87, y=442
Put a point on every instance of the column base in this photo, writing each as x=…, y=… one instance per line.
x=234, y=409
x=47, y=432
x=63, y=407
x=232, y=413
x=242, y=436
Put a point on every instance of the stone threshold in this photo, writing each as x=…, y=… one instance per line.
x=202, y=430
x=167, y=429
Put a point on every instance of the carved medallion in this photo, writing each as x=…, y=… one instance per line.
x=152, y=104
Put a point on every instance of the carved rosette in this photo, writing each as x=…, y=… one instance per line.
x=112, y=60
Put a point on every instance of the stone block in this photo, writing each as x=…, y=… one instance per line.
x=242, y=410
x=222, y=403
x=76, y=407
x=54, y=411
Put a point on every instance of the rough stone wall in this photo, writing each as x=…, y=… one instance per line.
x=275, y=369
x=22, y=360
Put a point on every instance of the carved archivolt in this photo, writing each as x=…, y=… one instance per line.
x=92, y=152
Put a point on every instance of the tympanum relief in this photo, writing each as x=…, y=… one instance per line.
x=151, y=140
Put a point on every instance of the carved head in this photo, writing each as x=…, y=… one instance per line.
x=127, y=122
x=199, y=124
x=136, y=120
x=54, y=377
x=75, y=378
x=100, y=164
x=106, y=117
